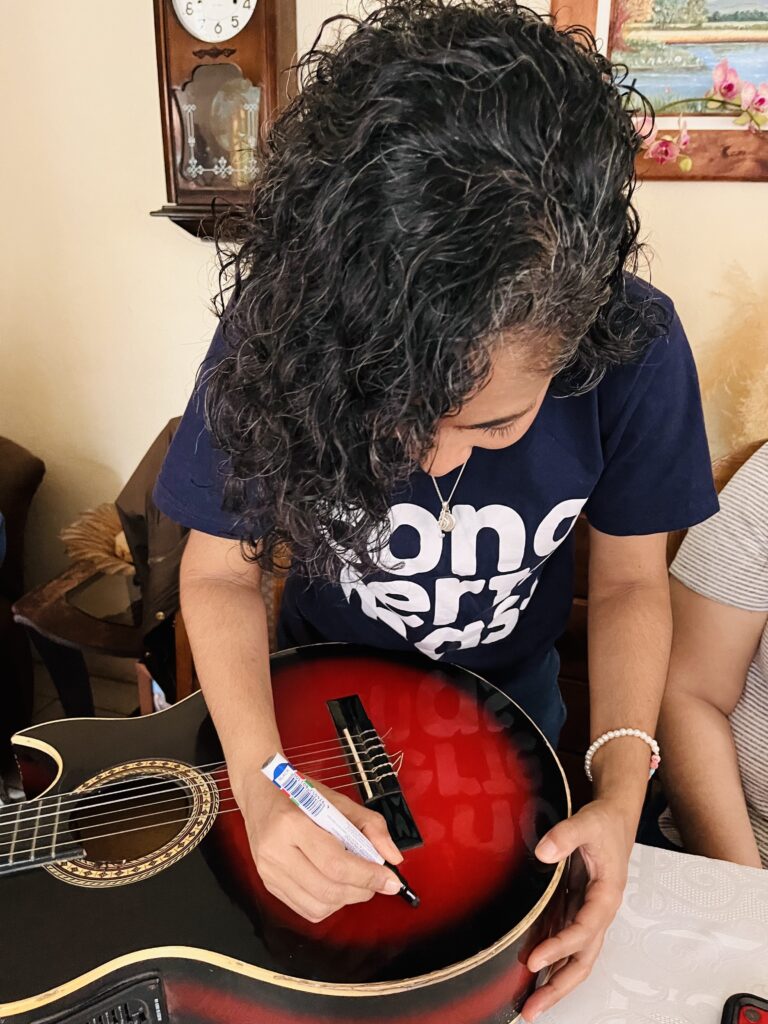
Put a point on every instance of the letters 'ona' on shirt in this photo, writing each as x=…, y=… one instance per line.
x=631, y=453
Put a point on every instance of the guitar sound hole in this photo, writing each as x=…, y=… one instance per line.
x=128, y=820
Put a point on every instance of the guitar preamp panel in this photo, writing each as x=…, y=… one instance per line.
x=135, y=1002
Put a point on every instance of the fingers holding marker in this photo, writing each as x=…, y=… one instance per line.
x=374, y=827
x=343, y=868
x=313, y=874
x=364, y=865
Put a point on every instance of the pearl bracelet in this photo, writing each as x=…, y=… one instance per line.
x=615, y=734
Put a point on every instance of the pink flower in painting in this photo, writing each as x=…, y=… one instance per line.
x=648, y=140
x=683, y=138
x=726, y=81
x=759, y=100
x=748, y=94
x=663, y=150
x=754, y=103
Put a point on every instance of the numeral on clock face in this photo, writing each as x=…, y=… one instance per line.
x=213, y=20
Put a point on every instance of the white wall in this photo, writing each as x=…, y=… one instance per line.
x=103, y=310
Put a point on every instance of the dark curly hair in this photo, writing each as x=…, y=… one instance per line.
x=453, y=176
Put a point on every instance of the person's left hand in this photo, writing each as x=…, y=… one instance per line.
x=604, y=836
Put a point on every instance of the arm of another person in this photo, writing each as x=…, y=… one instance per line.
x=711, y=653
x=720, y=591
x=630, y=629
x=226, y=620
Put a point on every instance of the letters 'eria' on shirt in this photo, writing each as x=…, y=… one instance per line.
x=631, y=453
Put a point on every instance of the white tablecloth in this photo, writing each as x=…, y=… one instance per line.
x=690, y=932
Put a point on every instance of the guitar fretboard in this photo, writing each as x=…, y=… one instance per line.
x=34, y=833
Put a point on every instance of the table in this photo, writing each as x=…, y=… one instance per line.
x=690, y=932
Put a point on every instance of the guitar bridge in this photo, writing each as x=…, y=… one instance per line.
x=373, y=771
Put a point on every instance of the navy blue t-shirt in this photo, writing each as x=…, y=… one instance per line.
x=496, y=592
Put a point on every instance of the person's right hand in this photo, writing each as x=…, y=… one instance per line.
x=304, y=866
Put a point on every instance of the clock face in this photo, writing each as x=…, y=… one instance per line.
x=214, y=20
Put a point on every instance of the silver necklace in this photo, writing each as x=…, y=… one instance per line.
x=447, y=520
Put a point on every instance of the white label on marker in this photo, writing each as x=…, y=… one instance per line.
x=318, y=808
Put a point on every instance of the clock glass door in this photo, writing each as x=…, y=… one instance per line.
x=219, y=118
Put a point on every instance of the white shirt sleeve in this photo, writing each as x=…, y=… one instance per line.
x=726, y=557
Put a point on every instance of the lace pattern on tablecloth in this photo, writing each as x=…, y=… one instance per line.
x=690, y=932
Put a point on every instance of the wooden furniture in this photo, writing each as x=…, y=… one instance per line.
x=123, y=615
x=224, y=72
x=574, y=674
x=62, y=623
x=20, y=476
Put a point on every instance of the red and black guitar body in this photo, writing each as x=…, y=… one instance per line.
x=158, y=914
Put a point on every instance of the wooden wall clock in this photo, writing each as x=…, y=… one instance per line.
x=223, y=69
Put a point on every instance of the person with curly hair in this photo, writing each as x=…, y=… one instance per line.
x=432, y=356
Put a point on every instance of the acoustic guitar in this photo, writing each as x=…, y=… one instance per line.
x=128, y=894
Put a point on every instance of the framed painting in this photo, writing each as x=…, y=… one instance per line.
x=703, y=64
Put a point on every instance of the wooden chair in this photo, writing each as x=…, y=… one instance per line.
x=63, y=622
x=89, y=608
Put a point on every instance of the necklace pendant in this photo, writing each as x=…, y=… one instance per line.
x=446, y=520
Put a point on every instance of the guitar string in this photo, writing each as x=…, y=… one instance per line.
x=123, y=831
x=61, y=845
x=42, y=851
x=81, y=799
x=334, y=745
x=355, y=777
x=184, y=793
x=222, y=789
x=175, y=789
x=178, y=798
x=149, y=780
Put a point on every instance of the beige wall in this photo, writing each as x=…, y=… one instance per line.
x=103, y=310
x=710, y=245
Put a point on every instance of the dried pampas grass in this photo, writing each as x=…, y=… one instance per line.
x=734, y=370
x=97, y=537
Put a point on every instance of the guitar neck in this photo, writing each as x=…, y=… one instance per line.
x=31, y=834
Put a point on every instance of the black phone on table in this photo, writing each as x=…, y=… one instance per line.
x=744, y=1008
